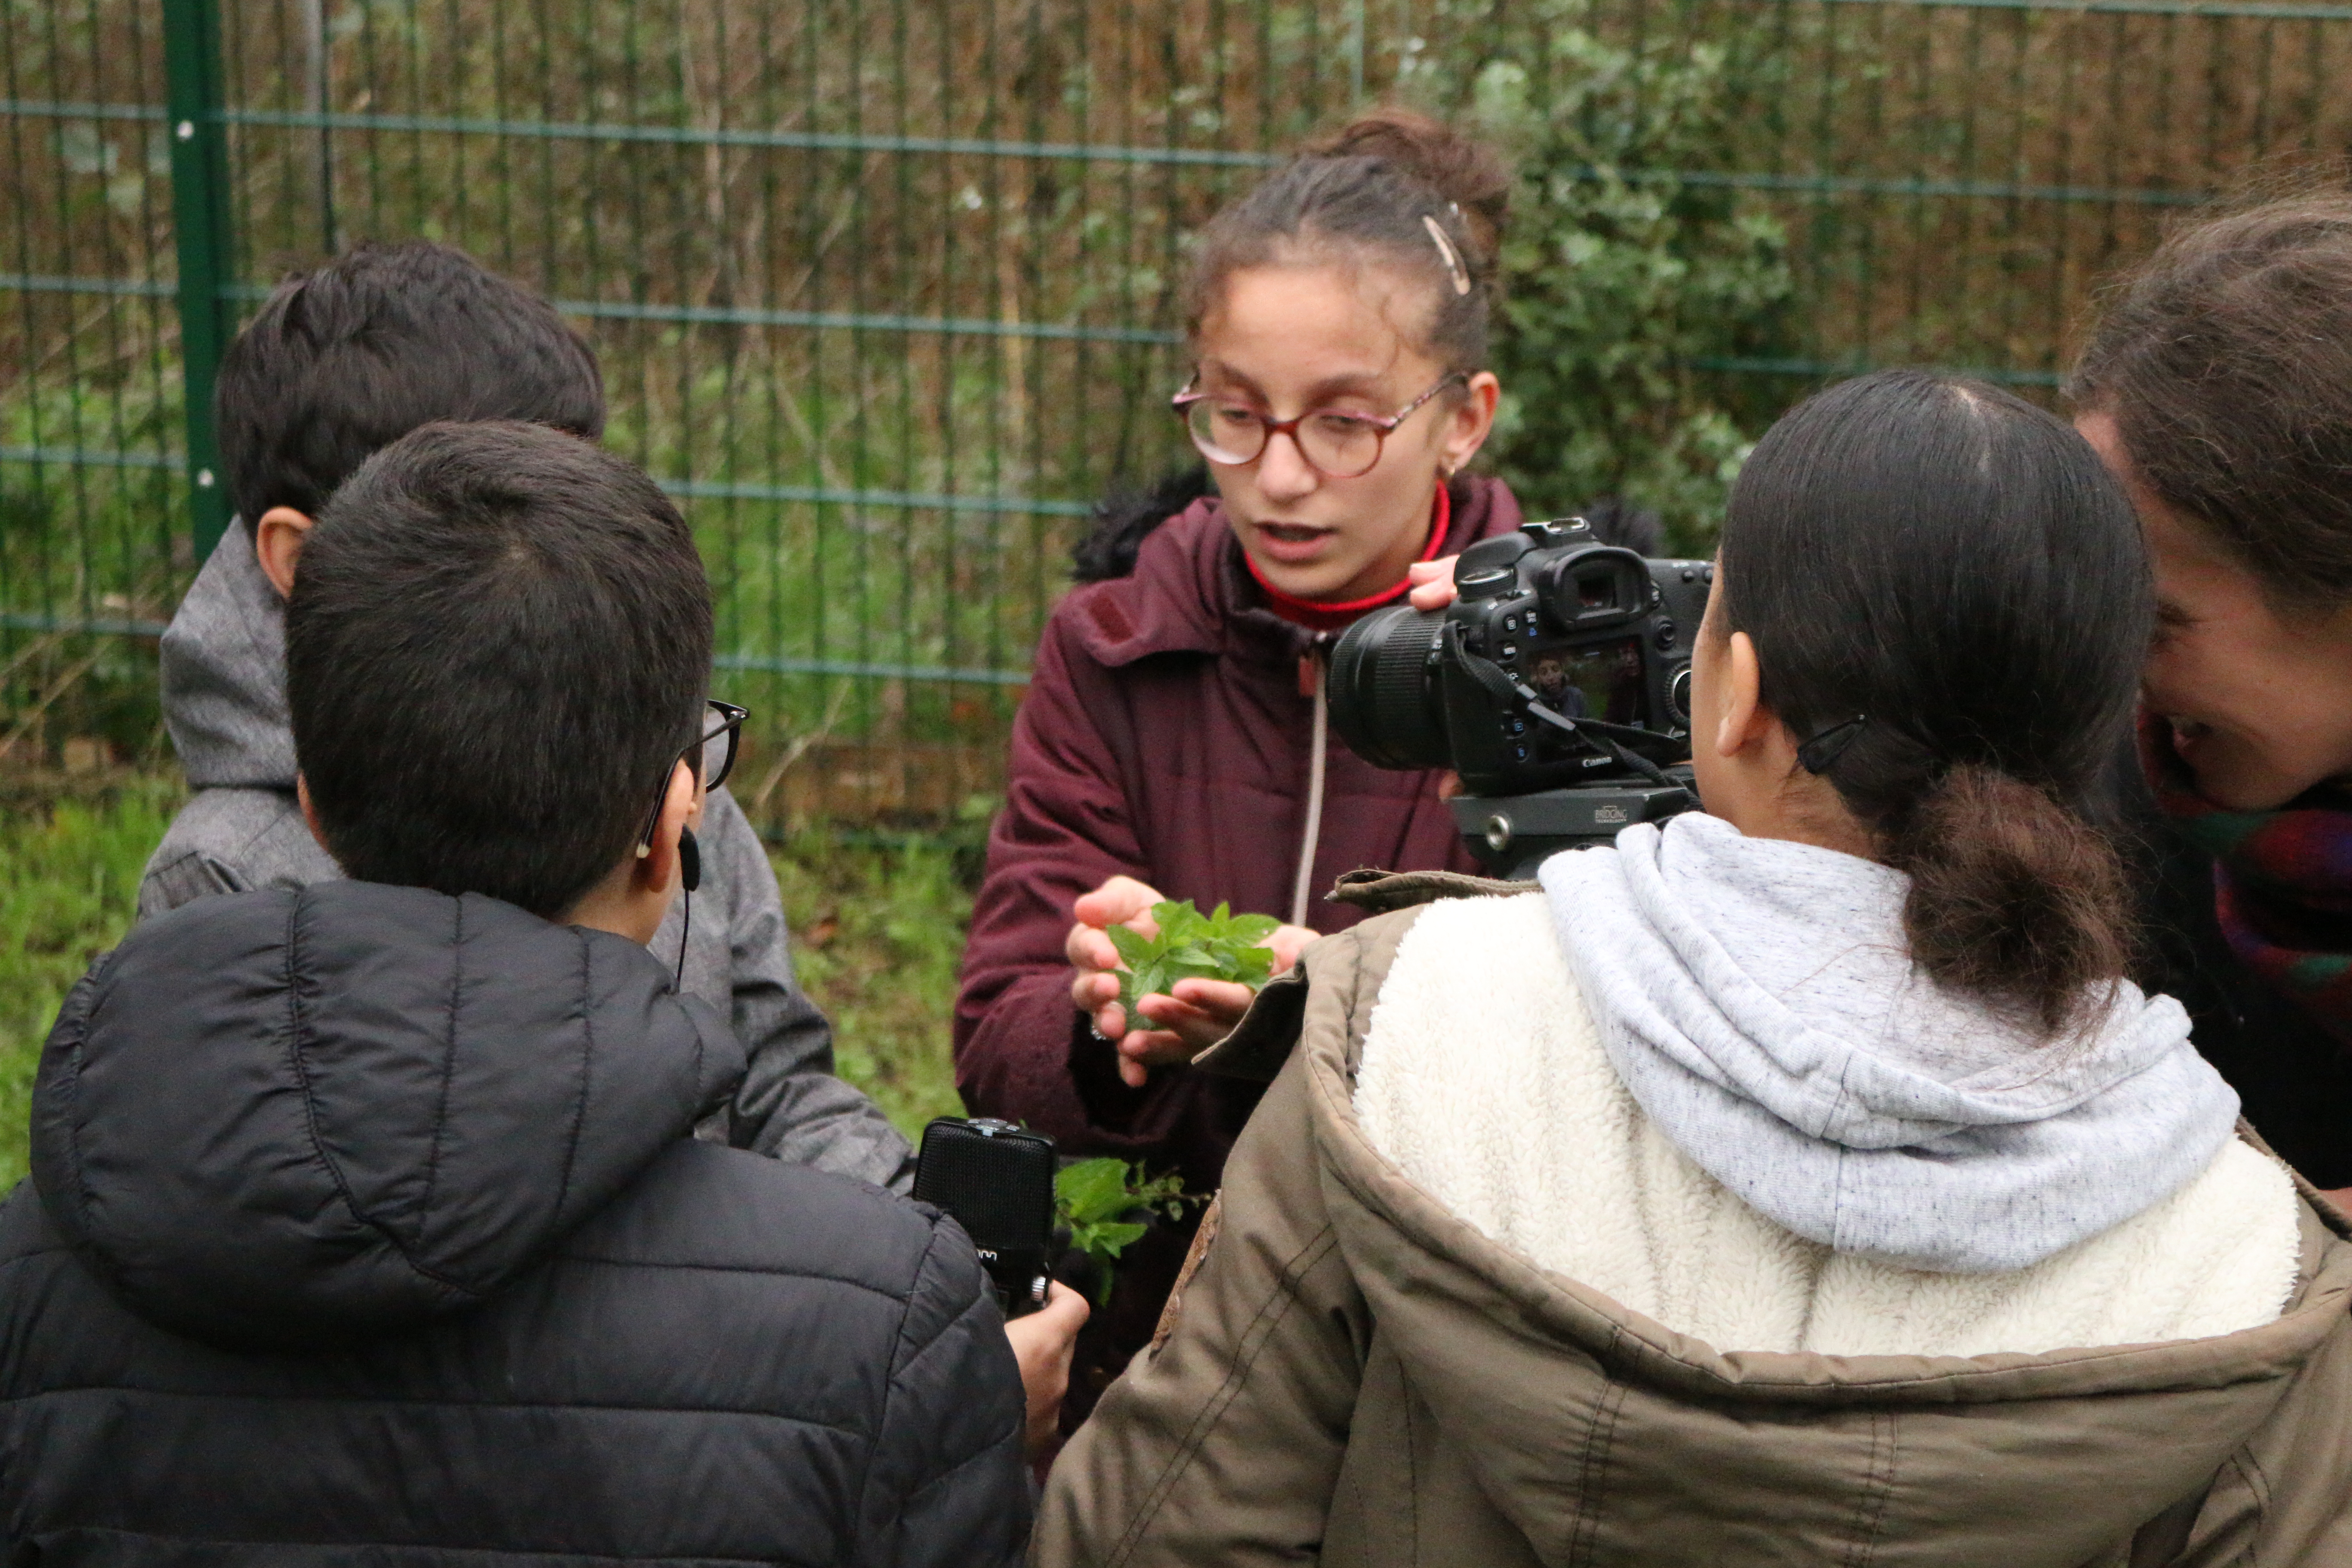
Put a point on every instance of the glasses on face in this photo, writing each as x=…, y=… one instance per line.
x=722, y=732
x=1335, y=444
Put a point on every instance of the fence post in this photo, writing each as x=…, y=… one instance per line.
x=200, y=215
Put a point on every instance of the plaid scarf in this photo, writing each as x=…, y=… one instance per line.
x=2282, y=881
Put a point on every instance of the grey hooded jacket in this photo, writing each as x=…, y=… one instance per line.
x=224, y=704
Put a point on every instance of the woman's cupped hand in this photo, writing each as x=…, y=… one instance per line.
x=1172, y=1029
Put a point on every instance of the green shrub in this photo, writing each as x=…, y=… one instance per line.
x=1623, y=277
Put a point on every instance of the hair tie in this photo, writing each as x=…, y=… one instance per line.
x=1453, y=258
x=1819, y=753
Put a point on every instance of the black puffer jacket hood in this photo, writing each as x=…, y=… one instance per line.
x=295, y=1118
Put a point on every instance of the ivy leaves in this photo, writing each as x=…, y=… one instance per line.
x=1192, y=946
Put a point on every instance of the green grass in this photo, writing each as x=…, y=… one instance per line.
x=876, y=936
x=69, y=885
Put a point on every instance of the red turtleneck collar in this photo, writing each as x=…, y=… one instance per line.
x=1319, y=617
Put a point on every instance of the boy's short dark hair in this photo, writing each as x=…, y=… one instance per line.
x=496, y=647
x=348, y=359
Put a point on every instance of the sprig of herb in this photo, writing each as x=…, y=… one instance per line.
x=1192, y=946
x=1108, y=1203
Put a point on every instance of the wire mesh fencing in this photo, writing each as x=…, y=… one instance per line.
x=887, y=291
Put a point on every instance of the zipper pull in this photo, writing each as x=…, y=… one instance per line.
x=1317, y=650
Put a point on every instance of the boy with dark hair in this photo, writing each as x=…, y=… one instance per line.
x=365, y=1222
x=341, y=362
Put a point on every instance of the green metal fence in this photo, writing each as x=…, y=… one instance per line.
x=884, y=289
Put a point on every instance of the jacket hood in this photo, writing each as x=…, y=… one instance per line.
x=1126, y=517
x=223, y=669
x=1758, y=998
x=1575, y=1414
x=1190, y=592
x=293, y=1117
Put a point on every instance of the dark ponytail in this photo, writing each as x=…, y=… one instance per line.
x=1955, y=567
x=2014, y=897
x=1377, y=185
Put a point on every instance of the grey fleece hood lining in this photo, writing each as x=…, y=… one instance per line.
x=1845, y=1095
x=1474, y=1266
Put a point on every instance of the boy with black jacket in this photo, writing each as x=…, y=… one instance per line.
x=338, y=364
x=366, y=1225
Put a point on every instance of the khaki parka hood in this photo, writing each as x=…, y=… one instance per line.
x=1502, y=1413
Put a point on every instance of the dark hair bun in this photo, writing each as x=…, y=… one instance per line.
x=1421, y=195
x=1461, y=169
x=2014, y=898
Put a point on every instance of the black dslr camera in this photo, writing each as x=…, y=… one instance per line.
x=1556, y=684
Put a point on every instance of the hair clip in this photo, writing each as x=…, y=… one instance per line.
x=1818, y=754
x=1453, y=258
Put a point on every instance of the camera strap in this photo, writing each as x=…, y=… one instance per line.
x=1594, y=733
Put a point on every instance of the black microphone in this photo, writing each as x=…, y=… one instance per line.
x=997, y=1180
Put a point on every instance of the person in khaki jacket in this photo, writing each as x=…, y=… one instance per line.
x=1799, y=1183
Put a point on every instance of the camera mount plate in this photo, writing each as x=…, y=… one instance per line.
x=1511, y=834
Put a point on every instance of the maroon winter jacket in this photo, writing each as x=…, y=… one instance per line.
x=1166, y=736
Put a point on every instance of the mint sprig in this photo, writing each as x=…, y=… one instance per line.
x=1108, y=1204
x=1192, y=946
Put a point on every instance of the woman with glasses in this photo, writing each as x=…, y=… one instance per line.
x=1173, y=743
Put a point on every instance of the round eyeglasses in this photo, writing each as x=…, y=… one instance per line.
x=1336, y=445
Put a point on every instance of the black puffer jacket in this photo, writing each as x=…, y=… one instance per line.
x=369, y=1228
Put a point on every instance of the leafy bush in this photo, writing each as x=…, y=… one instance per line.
x=1622, y=275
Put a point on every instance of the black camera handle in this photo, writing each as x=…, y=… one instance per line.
x=1597, y=734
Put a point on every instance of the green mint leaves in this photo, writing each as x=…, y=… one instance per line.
x=1192, y=946
x=1107, y=1205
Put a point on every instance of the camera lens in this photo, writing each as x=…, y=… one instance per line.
x=1384, y=698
